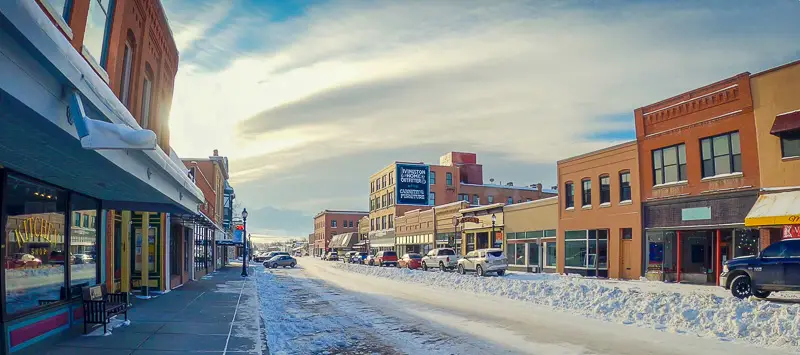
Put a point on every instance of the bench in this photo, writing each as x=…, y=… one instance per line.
x=99, y=306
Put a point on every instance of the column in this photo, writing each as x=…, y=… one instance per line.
x=678, y=264
x=125, y=263
x=718, y=261
x=145, y=253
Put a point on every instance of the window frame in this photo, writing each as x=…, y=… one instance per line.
x=490, y=199
x=586, y=193
x=449, y=179
x=432, y=198
x=432, y=178
x=128, y=53
x=730, y=155
x=569, y=195
x=682, y=173
x=476, y=200
x=623, y=188
x=100, y=63
x=605, y=189
x=789, y=136
x=61, y=18
x=147, y=96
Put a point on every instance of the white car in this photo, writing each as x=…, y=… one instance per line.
x=442, y=258
x=484, y=261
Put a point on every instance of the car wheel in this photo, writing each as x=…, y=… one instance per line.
x=424, y=266
x=501, y=273
x=761, y=293
x=479, y=270
x=398, y=266
x=292, y=265
x=274, y=266
x=741, y=287
x=461, y=270
x=441, y=267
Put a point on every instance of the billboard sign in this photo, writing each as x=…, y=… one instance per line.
x=412, y=186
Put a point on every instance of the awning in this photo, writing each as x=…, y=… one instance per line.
x=775, y=209
x=786, y=122
x=344, y=240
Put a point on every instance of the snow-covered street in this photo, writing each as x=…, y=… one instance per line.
x=326, y=307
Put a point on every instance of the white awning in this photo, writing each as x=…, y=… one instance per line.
x=775, y=209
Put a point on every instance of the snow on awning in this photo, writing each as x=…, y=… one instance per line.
x=775, y=210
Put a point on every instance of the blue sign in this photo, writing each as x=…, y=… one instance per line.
x=696, y=214
x=237, y=236
x=412, y=186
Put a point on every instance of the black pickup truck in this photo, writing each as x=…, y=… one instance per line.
x=776, y=268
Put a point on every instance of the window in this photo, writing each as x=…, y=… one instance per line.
x=476, y=200
x=351, y=224
x=371, y=224
x=550, y=255
x=60, y=7
x=586, y=249
x=605, y=189
x=533, y=253
x=83, y=254
x=669, y=164
x=490, y=199
x=510, y=200
x=383, y=201
x=432, y=178
x=391, y=178
x=76, y=219
x=391, y=221
x=721, y=154
x=147, y=91
x=383, y=222
x=34, y=235
x=449, y=178
x=391, y=198
x=516, y=254
x=586, y=192
x=569, y=195
x=127, y=71
x=627, y=233
x=94, y=40
x=625, y=186
x=432, y=199
x=333, y=223
x=383, y=181
x=372, y=186
x=790, y=144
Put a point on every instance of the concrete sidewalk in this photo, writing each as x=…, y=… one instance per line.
x=218, y=315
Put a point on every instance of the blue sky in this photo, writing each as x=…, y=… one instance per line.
x=308, y=98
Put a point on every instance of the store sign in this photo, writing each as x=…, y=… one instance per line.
x=412, y=186
x=225, y=243
x=791, y=232
x=238, y=236
x=470, y=219
x=696, y=214
x=36, y=230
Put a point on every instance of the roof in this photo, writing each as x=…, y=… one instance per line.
x=484, y=207
x=542, y=201
x=603, y=150
x=527, y=188
x=770, y=70
x=340, y=212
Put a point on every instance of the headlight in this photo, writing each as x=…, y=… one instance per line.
x=724, y=267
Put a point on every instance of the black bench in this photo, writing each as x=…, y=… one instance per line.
x=99, y=306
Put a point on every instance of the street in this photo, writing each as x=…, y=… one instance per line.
x=316, y=308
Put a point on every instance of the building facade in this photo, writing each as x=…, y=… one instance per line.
x=776, y=108
x=531, y=229
x=482, y=227
x=72, y=82
x=599, y=225
x=415, y=231
x=699, y=174
x=332, y=222
x=448, y=228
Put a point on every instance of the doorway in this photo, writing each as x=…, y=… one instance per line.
x=627, y=267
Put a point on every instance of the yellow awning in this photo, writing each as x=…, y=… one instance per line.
x=775, y=209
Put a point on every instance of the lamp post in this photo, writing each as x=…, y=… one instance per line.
x=244, y=243
x=491, y=240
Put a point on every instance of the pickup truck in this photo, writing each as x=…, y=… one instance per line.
x=442, y=258
x=776, y=268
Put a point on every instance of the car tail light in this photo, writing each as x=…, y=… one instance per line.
x=448, y=259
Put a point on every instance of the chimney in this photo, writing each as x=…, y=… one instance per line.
x=539, y=186
x=216, y=153
x=554, y=187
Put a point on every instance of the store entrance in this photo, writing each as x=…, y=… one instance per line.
x=482, y=240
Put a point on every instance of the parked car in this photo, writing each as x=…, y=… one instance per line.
x=483, y=261
x=360, y=257
x=388, y=257
x=776, y=268
x=370, y=260
x=332, y=256
x=23, y=260
x=410, y=261
x=442, y=258
x=259, y=257
x=280, y=260
x=348, y=256
x=83, y=259
x=298, y=254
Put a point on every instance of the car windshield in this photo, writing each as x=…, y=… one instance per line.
x=494, y=254
x=414, y=256
x=447, y=252
x=389, y=253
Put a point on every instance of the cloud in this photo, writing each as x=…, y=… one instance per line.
x=307, y=107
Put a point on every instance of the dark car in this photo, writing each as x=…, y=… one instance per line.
x=776, y=268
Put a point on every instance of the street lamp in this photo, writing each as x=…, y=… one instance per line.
x=244, y=243
x=491, y=240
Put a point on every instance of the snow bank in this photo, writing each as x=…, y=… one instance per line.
x=727, y=318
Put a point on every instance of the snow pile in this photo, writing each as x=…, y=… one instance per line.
x=758, y=322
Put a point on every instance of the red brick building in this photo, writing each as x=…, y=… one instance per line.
x=331, y=222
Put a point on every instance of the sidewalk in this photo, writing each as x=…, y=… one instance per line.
x=217, y=315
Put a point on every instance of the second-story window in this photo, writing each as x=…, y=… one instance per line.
x=569, y=195
x=60, y=7
x=432, y=178
x=790, y=144
x=127, y=72
x=476, y=200
x=721, y=154
x=383, y=201
x=384, y=181
x=372, y=186
x=95, y=39
x=333, y=223
x=371, y=224
x=586, y=192
x=605, y=189
x=147, y=93
x=391, y=221
x=669, y=164
x=490, y=199
x=449, y=179
x=625, y=186
x=432, y=198
x=510, y=200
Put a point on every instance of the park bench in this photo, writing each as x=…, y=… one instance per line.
x=99, y=306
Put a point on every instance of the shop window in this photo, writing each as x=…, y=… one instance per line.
x=470, y=242
x=432, y=178
x=449, y=179
x=550, y=233
x=746, y=242
x=490, y=199
x=625, y=186
x=476, y=200
x=669, y=164
x=569, y=195
x=96, y=36
x=586, y=192
x=533, y=253
x=516, y=254
x=605, y=189
x=721, y=154
x=550, y=256
x=83, y=254
x=586, y=249
x=35, y=254
x=432, y=198
x=790, y=144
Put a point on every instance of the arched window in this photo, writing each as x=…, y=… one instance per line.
x=147, y=96
x=127, y=69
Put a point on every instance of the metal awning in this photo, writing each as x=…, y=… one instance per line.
x=786, y=122
x=776, y=209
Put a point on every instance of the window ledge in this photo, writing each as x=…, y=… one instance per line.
x=570, y=208
x=790, y=158
x=670, y=184
x=93, y=63
x=59, y=19
x=722, y=177
x=586, y=207
x=625, y=203
x=605, y=204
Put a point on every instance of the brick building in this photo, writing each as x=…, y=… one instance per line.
x=332, y=222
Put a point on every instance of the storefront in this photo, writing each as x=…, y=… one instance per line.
x=448, y=229
x=343, y=242
x=381, y=240
x=531, y=229
x=415, y=232
x=777, y=215
x=482, y=227
x=688, y=240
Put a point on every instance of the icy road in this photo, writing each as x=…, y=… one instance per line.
x=319, y=309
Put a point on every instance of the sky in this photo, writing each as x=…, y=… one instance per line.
x=309, y=98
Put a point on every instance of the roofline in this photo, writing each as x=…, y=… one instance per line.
x=340, y=212
x=770, y=70
x=451, y=204
x=484, y=207
x=678, y=96
x=505, y=186
x=394, y=164
x=603, y=150
x=541, y=201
